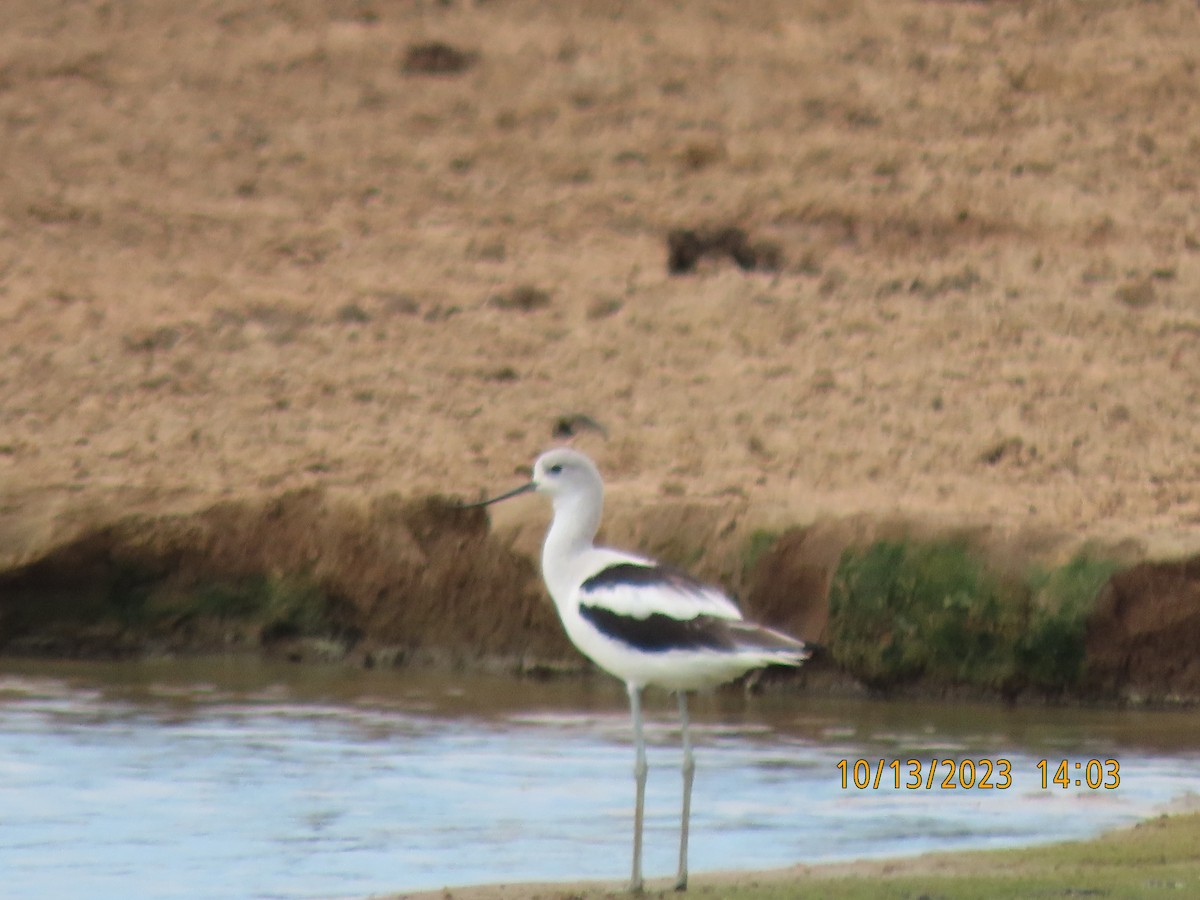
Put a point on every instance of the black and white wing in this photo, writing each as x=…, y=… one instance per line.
x=655, y=608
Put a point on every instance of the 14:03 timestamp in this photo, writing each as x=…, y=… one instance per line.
x=1095, y=774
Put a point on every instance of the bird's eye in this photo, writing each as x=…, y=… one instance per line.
x=555, y=469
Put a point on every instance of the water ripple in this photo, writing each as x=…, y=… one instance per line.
x=204, y=790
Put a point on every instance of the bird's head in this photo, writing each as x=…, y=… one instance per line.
x=561, y=472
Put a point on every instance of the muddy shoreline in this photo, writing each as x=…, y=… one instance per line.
x=314, y=577
x=1123, y=857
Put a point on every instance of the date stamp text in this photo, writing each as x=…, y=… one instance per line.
x=949, y=774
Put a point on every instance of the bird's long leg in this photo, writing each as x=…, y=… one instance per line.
x=639, y=773
x=689, y=771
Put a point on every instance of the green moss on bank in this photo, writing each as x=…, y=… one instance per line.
x=284, y=604
x=1051, y=653
x=936, y=610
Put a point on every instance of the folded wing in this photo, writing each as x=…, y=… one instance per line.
x=656, y=609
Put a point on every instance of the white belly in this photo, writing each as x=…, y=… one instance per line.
x=675, y=670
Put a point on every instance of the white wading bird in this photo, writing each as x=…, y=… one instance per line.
x=645, y=623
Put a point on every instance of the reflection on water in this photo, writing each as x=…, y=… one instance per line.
x=236, y=779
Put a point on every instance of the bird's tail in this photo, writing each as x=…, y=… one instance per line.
x=777, y=647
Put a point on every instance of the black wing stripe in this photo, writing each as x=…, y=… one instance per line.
x=657, y=633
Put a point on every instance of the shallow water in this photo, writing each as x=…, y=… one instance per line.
x=240, y=779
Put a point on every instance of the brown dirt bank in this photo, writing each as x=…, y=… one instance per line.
x=1145, y=630
x=389, y=577
x=310, y=575
x=934, y=262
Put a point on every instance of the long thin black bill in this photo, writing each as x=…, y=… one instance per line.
x=523, y=489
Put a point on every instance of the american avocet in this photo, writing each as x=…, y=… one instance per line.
x=645, y=623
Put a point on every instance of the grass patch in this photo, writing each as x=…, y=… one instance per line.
x=97, y=602
x=902, y=610
x=1158, y=858
x=1051, y=653
x=283, y=605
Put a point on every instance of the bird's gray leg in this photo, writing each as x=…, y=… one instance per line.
x=689, y=771
x=639, y=773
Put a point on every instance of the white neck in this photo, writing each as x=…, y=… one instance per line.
x=576, y=521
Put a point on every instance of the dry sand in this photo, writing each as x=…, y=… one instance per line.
x=242, y=250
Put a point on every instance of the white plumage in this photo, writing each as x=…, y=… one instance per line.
x=645, y=623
